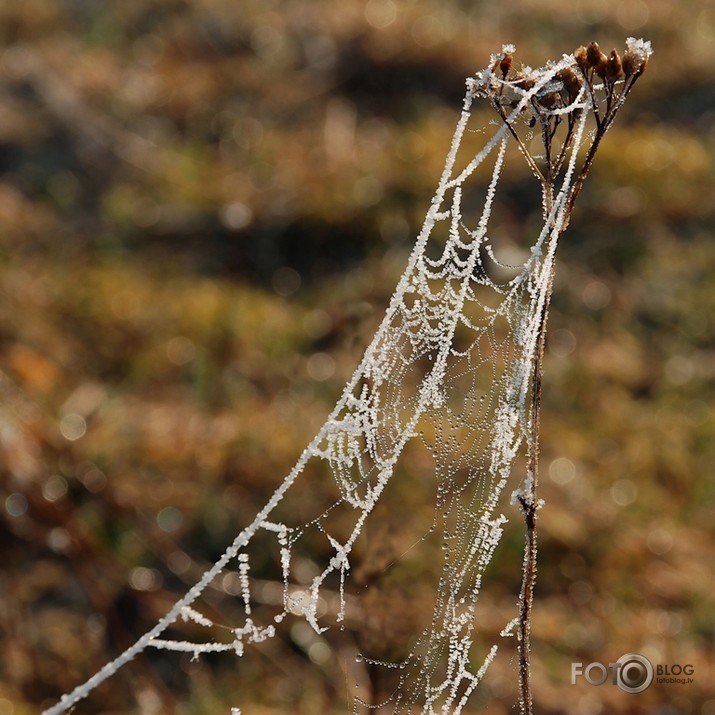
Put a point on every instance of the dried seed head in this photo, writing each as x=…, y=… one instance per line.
x=614, y=66
x=525, y=83
x=505, y=64
x=594, y=55
x=631, y=64
x=581, y=57
x=635, y=58
x=572, y=84
x=549, y=100
x=601, y=68
x=596, y=59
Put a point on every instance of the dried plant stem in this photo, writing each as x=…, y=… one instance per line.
x=592, y=63
x=529, y=506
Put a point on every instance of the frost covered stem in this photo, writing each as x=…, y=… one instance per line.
x=525, y=601
x=529, y=504
x=604, y=82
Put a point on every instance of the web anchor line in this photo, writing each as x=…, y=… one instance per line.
x=455, y=366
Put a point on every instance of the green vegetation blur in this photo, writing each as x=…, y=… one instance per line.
x=204, y=208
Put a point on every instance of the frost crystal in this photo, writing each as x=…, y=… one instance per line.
x=639, y=47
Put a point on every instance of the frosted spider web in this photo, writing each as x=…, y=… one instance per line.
x=450, y=369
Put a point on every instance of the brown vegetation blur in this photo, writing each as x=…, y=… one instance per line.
x=204, y=208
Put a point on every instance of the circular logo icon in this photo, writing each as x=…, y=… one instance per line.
x=635, y=673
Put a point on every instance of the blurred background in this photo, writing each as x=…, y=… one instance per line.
x=204, y=208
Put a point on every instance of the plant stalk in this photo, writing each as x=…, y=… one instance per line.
x=529, y=506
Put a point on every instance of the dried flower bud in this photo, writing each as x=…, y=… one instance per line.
x=505, y=64
x=631, y=64
x=594, y=55
x=635, y=58
x=601, y=68
x=550, y=100
x=581, y=57
x=572, y=84
x=596, y=59
x=525, y=83
x=614, y=66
